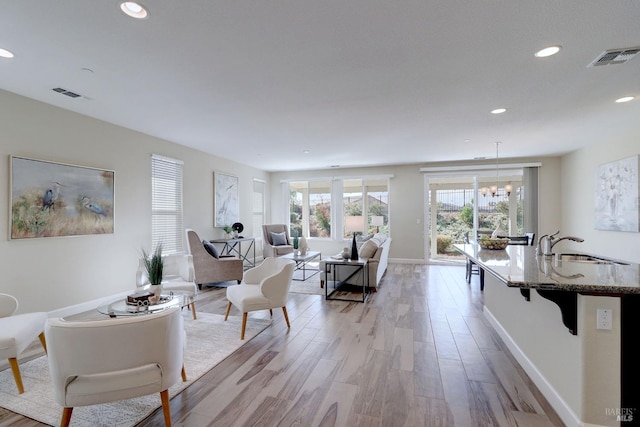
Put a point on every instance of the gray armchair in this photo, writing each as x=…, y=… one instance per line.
x=207, y=268
x=271, y=250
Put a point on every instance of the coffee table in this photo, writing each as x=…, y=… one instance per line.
x=302, y=261
x=120, y=307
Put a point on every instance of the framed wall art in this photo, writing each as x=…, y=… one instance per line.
x=225, y=195
x=49, y=199
x=617, y=201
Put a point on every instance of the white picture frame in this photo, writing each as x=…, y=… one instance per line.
x=226, y=205
x=617, y=198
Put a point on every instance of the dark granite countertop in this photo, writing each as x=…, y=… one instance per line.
x=519, y=266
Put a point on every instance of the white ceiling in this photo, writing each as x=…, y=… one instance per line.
x=355, y=82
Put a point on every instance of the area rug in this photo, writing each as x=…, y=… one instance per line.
x=209, y=341
x=312, y=283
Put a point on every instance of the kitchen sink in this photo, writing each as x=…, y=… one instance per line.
x=588, y=259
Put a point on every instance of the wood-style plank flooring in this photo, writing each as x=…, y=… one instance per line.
x=418, y=353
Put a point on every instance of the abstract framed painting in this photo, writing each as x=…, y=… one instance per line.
x=225, y=195
x=50, y=199
x=617, y=199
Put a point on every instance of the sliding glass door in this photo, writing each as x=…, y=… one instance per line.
x=463, y=207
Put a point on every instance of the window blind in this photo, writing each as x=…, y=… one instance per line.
x=166, y=204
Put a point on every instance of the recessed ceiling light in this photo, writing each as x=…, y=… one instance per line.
x=498, y=111
x=306, y=152
x=625, y=99
x=5, y=53
x=548, y=51
x=133, y=9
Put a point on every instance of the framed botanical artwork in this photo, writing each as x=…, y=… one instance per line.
x=617, y=201
x=49, y=199
x=225, y=195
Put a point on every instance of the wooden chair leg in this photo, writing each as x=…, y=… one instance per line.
x=244, y=325
x=43, y=341
x=66, y=417
x=228, y=310
x=286, y=317
x=193, y=310
x=16, y=374
x=184, y=374
x=166, y=409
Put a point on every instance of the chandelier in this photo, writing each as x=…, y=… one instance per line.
x=494, y=188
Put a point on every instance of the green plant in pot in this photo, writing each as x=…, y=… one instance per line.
x=153, y=264
x=228, y=230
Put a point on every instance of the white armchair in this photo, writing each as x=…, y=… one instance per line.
x=17, y=332
x=265, y=286
x=145, y=357
x=178, y=275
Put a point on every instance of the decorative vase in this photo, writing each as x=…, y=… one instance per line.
x=345, y=254
x=303, y=245
x=157, y=290
x=354, y=249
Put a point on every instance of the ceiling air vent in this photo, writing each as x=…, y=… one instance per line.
x=65, y=92
x=615, y=56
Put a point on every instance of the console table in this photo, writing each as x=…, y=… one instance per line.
x=233, y=246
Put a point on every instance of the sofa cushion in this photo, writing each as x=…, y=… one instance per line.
x=278, y=239
x=368, y=249
x=210, y=247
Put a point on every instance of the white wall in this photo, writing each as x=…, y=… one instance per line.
x=578, y=182
x=50, y=273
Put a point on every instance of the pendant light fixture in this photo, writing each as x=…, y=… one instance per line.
x=494, y=188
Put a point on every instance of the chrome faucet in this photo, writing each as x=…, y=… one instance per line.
x=548, y=241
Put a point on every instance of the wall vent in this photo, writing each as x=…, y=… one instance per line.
x=65, y=92
x=615, y=56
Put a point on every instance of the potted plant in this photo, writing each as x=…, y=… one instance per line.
x=153, y=264
x=227, y=229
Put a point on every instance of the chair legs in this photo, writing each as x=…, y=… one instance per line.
x=15, y=368
x=244, y=325
x=286, y=317
x=66, y=417
x=193, y=310
x=166, y=409
x=228, y=310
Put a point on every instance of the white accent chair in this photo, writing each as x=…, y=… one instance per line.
x=265, y=286
x=141, y=355
x=178, y=275
x=17, y=332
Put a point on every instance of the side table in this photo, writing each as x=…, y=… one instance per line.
x=339, y=268
x=233, y=247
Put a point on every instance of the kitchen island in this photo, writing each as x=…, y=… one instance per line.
x=545, y=309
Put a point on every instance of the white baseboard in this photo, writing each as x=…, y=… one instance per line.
x=554, y=399
x=405, y=261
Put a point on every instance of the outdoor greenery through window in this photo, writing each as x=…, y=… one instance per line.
x=370, y=196
x=455, y=203
x=318, y=208
x=310, y=208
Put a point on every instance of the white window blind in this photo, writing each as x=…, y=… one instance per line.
x=166, y=204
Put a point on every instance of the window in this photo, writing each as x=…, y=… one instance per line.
x=318, y=208
x=258, y=210
x=166, y=204
x=310, y=208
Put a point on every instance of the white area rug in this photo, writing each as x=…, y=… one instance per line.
x=209, y=341
x=309, y=286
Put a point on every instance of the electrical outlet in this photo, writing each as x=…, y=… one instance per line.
x=604, y=320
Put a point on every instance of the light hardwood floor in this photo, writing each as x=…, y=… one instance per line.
x=418, y=353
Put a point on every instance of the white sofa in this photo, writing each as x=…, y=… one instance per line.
x=376, y=251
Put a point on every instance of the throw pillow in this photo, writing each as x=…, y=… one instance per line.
x=278, y=239
x=368, y=249
x=209, y=247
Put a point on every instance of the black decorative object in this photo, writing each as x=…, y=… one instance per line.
x=237, y=227
x=354, y=249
